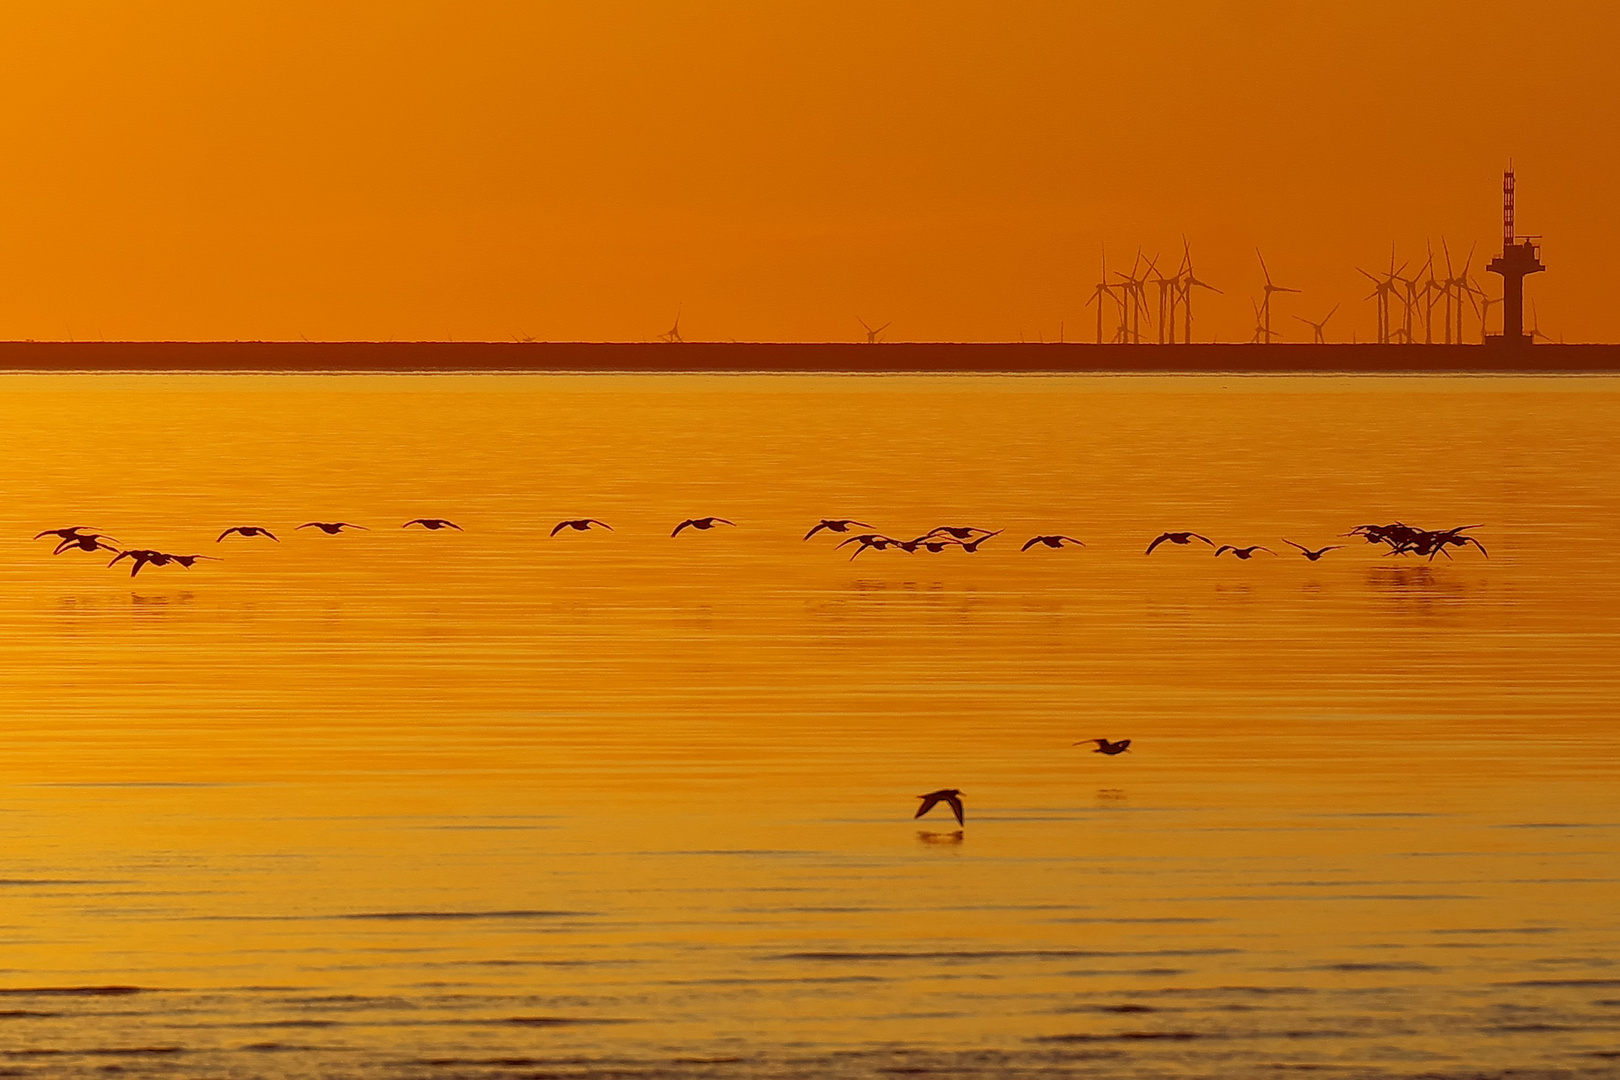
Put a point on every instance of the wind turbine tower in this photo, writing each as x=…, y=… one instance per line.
x=1519, y=259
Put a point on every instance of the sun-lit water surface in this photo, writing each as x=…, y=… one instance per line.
x=493, y=804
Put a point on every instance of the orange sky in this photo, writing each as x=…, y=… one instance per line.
x=567, y=170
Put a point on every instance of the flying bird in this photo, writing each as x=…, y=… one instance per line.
x=702, y=523
x=970, y=546
x=141, y=557
x=84, y=542
x=1106, y=747
x=874, y=540
x=432, y=524
x=1308, y=553
x=579, y=524
x=1177, y=538
x=248, y=531
x=960, y=532
x=331, y=528
x=949, y=796
x=837, y=525
x=68, y=534
x=1050, y=541
x=1243, y=552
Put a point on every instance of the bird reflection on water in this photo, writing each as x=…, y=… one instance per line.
x=940, y=839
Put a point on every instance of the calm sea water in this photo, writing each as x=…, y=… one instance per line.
x=492, y=804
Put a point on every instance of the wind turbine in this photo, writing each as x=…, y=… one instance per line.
x=1102, y=290
x=672, y=336
x=1189, y=281
x=1265, y=307
x=871, y=334
x=1535, y=326
x=1318, y=328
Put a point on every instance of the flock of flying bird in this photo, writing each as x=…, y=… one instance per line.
x=1400, y=538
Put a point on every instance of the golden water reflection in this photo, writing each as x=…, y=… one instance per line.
x=495, y=803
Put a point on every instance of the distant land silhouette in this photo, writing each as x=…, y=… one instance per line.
x=834, y=357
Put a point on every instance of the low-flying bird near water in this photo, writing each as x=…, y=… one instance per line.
x=84, y=542
x=70, y=534
x=331, y=528
x=579, y=525
x=949, y=796
x=702, y=523
x=432, y=524
x=1050, y=541
x=248, y=531
x=1177, y=538
x=960, y=532
x=1106, y=747
x=874, y=540
x=143, y=557
x=1243, y=552
x=837, y=525
x=1308, y=553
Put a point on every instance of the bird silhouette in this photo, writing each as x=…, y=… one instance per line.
x=187, y=560
x=873, y=540
x=69, y=534
x=929, y=542
x=702, y=523
x=331, y=528
x=950, y=796
x=1050, y=541
x=84, y=542
x=837, y=525
x=248, y=531
x=970, y=546
x=1177, y=538
x=432, y=524
x=1308, y=553
x=579, y=524
x=141, y=557
x=1106, y=747
x=1243, y=552
x=960, y=532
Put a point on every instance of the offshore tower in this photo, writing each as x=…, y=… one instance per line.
x=1519, y=258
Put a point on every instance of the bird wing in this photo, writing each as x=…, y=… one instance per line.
x=723, y=521
x=1072, y=540
x=63, y=533
x=310, y=525
x=681, y=526
x=454, y=526
x=120, y=555
x=1083, y=742
x=1123, y=744
x=1205, y=539
x=928, y=803
x=1224, y=548
x=956, y=808
x=1476, y=543
x=815, y=530
x=1301, y=547
x=593, y=521
x=1032, y=541
x=1161, y=539
x=63, y=546
x=415, y=521
x=228, y=532
x=1262, y=547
